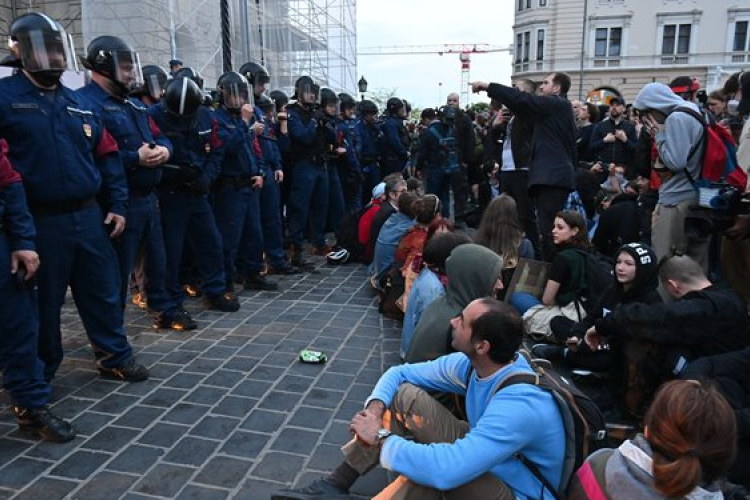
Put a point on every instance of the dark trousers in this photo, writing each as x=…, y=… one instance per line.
x=372, y=176
x=548, y=201
x=237, y=212
x=143, y=234
x=515, y=183
x=438, y=182
x=77, y=252
x=460, y=187
x=309, y=198
x=22, y=370
x=336, y=204
x=271, y=223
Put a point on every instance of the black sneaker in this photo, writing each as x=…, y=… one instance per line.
x=256, y=281
x=41, y=422
x=180, y=321
x=550, y=352
x=285, y=269
x=129, y=371
x=320, y=489
x=224, y=302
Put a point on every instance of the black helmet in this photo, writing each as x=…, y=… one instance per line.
x=305, y=84
x=155, y=80
x=265, y=103
x=41, y=44
x=280, y=98
x=407, y=106
x=182, y=100
x=394, y=105
x=233, y=90
x=114, y=58
x=192, y=74
x=346, y=101
x=255, y=73
x=368, y=107
x=328, y=96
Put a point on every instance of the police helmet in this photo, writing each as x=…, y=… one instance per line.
x=367, y=107
x=328, y=96
x=255, y=73
x=280, y=98
x=41, y=44
x=347, y=101
x=265, y=103
x=155, y=80
x=189, y=72
x=306, y=90
x=182, y=100
x=114, y=58
x=233, y=90
x=394, y=105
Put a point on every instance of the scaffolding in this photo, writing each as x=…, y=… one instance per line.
x=290, y=37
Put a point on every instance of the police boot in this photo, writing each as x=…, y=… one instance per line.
x=256, y=281
x=41, y=422
x=298, y=260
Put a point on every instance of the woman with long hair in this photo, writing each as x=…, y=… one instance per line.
x=687, y=446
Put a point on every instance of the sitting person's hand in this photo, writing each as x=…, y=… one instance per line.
x=594, y=340
x=365, y=426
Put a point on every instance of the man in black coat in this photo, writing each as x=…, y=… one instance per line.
x=551, y=168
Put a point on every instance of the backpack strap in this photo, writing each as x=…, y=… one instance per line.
x=704, y=138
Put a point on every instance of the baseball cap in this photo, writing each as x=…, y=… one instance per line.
x=617, y=100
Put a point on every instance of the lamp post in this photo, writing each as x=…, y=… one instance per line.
x=362, y=84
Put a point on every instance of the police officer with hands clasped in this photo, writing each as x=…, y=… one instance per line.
x=67, y=159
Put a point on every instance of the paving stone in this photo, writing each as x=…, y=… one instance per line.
x=10, y=449
x=334, y=381
x=323, y=398
x=348, y=409
x=6, y=494
x=48, y=450
x=296, y=441
x=338, y=433
x=252, y=388
x=241, y=364
x=215, y=427
x=185, y=413
x=193, y=492
x=135, y=459
x=183, y=380
x=71, y=406
x=279, y=401
x=292, y=383
x=245, y=444
x=224, y=378
x=311, y=418
x=47, y=489
x=115, y=403
x=139, y=417
x=97, y=389
x=263, y=421
x=191, y=451
x=257, y=489
x=89, y=423
x=21, y=472
x=105, y=485
x=139, y=389
x=164, y=480
x=326, y=457
x=281, y=467
x=163, y=435
x=111, y=439
x=225, y=472
x=205, y=395
x=80, y=464
x=233, y=406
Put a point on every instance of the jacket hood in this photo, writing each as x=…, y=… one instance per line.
x=646, y=270
x=472, y=271
x=659, y=97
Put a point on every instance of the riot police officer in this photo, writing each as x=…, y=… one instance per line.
x=115, y=71
x=369, y=146
x=395, y=145
x=350, y=173
x=183, y=194
x=329, y=107
x=67, y=158
x=155, y=80
x=23, y=372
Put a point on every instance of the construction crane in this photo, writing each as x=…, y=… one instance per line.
x=464, y=51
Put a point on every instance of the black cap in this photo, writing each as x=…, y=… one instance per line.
x=175, y=62
x=617, y=100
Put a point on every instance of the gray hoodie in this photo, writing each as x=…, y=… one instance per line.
x=680, y=134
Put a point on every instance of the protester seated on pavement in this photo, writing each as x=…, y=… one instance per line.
x=395, y=185
x=731, y=374
x=365, y=221
x=500, y=231
x=635, y=281
x=429, y=283
x=473, y=272
x=565, y=277
x=687, y=446
x=390, y=236
x=703, y=320
x=438, y=456
x=426, y=209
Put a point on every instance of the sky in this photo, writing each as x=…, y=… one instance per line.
x=432, y=22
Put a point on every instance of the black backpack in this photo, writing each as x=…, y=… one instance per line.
x=585, y=428
x=600, y=270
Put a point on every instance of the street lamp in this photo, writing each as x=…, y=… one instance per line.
x=362, y=84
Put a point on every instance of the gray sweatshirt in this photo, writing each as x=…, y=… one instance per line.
x=680, y=134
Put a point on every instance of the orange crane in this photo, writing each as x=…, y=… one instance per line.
x=464, y=51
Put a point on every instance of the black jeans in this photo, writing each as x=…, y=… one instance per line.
x=548, y=200
x=515, y=183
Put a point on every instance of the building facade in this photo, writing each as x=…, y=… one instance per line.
x=290, y=37
x=625, y=44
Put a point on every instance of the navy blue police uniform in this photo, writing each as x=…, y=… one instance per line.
x=350, y=172
x=369, y=147
x=395, y=152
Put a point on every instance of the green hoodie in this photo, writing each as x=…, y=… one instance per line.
x=472, y=271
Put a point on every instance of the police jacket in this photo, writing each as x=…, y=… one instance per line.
x=264, y=151
x=127, y=120
x=369, y=143
x=238, y=144
x=395, y=144
x=310, y=136
x=60, y=146
x=706, y=322
x=15, y=219
x=554, y=139
x=618, y=152
x=199, y=148
x=346, y=136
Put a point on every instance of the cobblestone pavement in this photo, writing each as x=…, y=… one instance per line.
x=229, y=411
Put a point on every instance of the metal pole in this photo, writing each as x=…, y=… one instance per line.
x=226, y=36
x=583, y=50
x=260, y=33
x=172, y=30
x=244, y=31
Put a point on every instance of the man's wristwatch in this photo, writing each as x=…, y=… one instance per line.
x=382, y=435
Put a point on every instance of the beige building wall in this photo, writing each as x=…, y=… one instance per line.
x=570, y=41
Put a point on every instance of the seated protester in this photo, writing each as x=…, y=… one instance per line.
x=426, y=210
x=429, y=283
x=390, y=235
x=437, y=226
x=436, y=454
x=703, y=320
x=365, y=221
x=731, y=373
x=563, y=292
x=500, y=231
x=686, y=448
x=636, y=280
x=473, y=272
x=395, y=185
x=626, y=220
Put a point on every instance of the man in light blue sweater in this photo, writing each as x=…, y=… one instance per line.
x=407, y=431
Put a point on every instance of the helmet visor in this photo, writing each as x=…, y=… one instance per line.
x=154, y=86
x=44, y=50
x=234, y=95
x=309, y=94
x=127, y=66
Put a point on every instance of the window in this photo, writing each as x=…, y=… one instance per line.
x=524, y=4
x=526, y=45
x=740, y=36
x=607, y=42
x=540, y=45
x=676, y=39
x=542, y=3
x=523, y=50
x=519, y=47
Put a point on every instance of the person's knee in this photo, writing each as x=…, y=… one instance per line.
x=407, y=395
